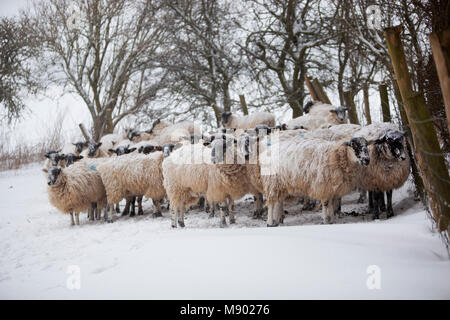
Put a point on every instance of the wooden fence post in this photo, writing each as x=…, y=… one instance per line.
x=384, y=98
x=352, y=115
x=430, y=159
x=440, y=44
x=311, y=90
x=84, y=132
x=243, y=104
x=366, y=103
x=320, y=91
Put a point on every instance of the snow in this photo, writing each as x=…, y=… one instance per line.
x=143, y=258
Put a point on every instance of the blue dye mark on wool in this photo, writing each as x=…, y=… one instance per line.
x=92, y=167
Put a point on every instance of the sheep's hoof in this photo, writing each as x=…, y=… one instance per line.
x=174, y=225
x=257, y=214
x=211, y=215
x=140, y=213
x=156, y=214
x=223, y=224
x=376, y=217
x=132, y=214
x=272, y=225
x=125, y=213
x=109, y=221
x=181, y=224
x=390, y=214
x=117, y=210
x=232, y=220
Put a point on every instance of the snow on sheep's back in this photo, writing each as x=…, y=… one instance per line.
x=42, y=256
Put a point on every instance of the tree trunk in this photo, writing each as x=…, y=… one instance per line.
x=352, y=115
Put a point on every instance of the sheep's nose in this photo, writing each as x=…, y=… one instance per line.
x=366, y=161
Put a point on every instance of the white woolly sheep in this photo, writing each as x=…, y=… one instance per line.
x=75, y=189
x=230, y=120
x=315, y=168
x=133, y=175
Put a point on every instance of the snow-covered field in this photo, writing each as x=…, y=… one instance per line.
x=40, y=253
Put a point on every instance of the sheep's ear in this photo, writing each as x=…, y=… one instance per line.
x=74, y=144
x=224, y=130
x=45, y=170
x=333, y=111
x=132, y=149
x=207, y=143
x=80, y=157
x=47, y=155
x=100, y=143
x=112, y=150
x=140, y=149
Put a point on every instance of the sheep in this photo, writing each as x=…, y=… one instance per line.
x=132, y=175
x=75, y=189
x=389, y=168
x=53, y=158
x=319, y=169
x=71, y=158
x=96, y=150
x=194, y=170
x=246, y=122
x=336, y=115
x=75, y=148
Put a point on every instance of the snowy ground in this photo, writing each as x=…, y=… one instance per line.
x=144, y=258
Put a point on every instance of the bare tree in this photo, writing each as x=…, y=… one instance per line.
x=283, y=43
x=202, y=56
x=17, y=46
x=104, y=51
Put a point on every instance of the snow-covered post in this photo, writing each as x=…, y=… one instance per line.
x=84, y=132
x=311, y=90
x=429, y=154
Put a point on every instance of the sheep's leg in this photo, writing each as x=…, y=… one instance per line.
x=108, y=217
x=258, y=206
x=223, y=222
x=132, y=203
x=117, y=208
x=181, y=216
x=213, y=209
x=362, y=196
x=381, y=202
x=174, y=215
x=72, y=222
x=230, y=211
x=77, y=218
x=126, y=210
x=326, y=205
x=390, y=211
x=376, y=205
x=157, y=210
x=92, y=211
x=308, y=204
x=278, y=213
x=370, y=201
x=270, y=215
x=140, y=210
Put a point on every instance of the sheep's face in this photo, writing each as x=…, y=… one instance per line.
x=120, y=151
x=392, y=145
x=131, y=134
x=93, y=148
x=147, y=149
x=341, y=113
x=308, y=106
x=225, y=117
x=281, y=127
x=52, y=175
x=54, y=157
x=80, y=146
x=167, y=149
x=71, y=158
x=360, y=150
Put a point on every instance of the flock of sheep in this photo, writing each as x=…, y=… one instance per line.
x=315, y=157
